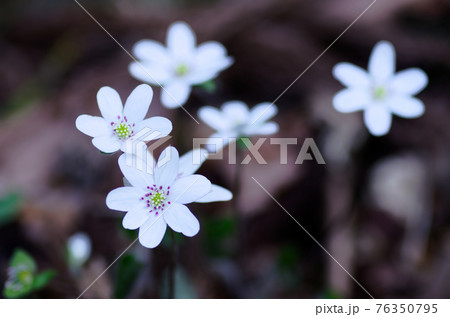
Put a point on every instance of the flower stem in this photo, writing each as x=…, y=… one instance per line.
x=237, y=183
x=179, y=127
x=172, y=265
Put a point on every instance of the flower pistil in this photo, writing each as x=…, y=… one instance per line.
x=123, y=130
x=156, y=198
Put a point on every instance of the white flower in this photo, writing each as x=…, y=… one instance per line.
x=157, y=198
x=235, y=120
x=189, y=163
x=380, y=92
x=79, y=249
x=180, y=65
x=399, y=185
x=119, y=124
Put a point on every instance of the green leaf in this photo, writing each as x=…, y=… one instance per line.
x=209, y=86
x=21, y=275
x=9, y=207
x=42, y=279
x=17, y=290
x=127, y=273
x=22, y=258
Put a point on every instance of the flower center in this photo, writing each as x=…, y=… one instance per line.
x=122, y=129
x=25, y=277
x=156, y=198
x=181, y=70
x=380, y=93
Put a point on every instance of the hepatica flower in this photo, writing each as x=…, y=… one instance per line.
x=189, y=163
x=118, y=124
x=235, y=120
x=180, y=65
x=380, y=92
x=157, y=198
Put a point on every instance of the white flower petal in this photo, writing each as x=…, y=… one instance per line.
x=191, y=161
x=261, y=129
x=79, y=247
x=262, y=112
x=142, y=160
x=350, y=100
x=382, y=61
x=152, y=232
x=135, y=171
x=181, y=219
x=110, y=104
x=213, y=117
x=378, y=119
x=152, y=73
x=210, y=59
x=153, y=128
x=211, y=53
x=107, y=143
x=217, y=193
x=236, y=112
x=136, y=218
x=124, y=198
x=406, y=107
x=189, y=188
x=167, y=168
x=351, y=75
x=137, y=104
x=181, y=40
x=151, y=51
x=175, y=94
x=205, y=72
x=409, y=82
x=200, y=75
x=92, y=126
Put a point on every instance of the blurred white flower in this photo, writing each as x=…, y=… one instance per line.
x=380, y=92
x=180, y=65
x=399, y=185
x=120, y=124
x=79, y=249
x=235, y=120
x=157, y=197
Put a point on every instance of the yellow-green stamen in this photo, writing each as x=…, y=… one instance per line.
x=156, y=198
x=122, y=130
x=380, y=93
x=182, y=70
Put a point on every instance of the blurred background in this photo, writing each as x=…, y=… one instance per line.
x=380, y=205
